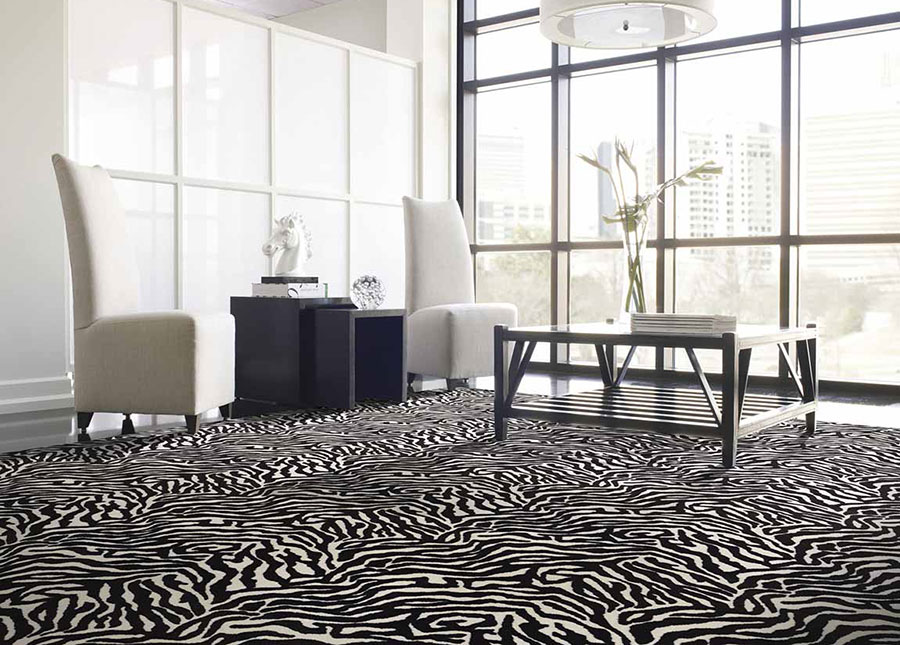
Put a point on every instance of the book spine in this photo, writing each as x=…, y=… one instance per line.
x=263, y=290
x=289, y=279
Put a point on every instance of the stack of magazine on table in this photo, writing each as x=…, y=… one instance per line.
x=654, y=323
x=290, y=287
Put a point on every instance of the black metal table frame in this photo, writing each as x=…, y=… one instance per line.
x=700, y=412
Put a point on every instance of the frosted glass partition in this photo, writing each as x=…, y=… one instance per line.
x=382, y=129
x=122, y=75
x=150, y=217
x=310, y=115
x=224, y=231
x=226, y=98
x=328, y=224
x=376, y=248
x=269, y=120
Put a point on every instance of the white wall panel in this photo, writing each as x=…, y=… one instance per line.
x=33, y=305
x=328, y=223
x=311, y=115
x=343, y=124
x=224, y=231
x=376, y=248
x=150, y=217
x=226, y=98
x=122, y=75
x=382, y=129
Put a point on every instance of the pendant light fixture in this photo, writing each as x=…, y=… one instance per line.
x=616, y=24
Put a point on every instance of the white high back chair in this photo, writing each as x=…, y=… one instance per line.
x=168, y=362
x=450, y=336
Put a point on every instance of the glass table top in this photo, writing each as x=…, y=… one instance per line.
x=743, y=331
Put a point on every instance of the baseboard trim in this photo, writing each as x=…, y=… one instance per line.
x=36, y=394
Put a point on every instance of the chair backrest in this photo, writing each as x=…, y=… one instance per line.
x=438, y=260
x=104, y=270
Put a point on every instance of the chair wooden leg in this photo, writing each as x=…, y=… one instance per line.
x=226, y=411
x=83, y=420
x=192, y=421
x=453, y=383
x=127, y=425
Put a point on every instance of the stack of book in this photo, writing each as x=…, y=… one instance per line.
x=654, y=323
x=290, y=287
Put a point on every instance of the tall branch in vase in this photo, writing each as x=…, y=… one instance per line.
x=632, y=212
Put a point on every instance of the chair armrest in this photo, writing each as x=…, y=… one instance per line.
x=160, y=322
x=457, y=340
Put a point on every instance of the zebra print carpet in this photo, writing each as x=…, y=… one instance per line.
x=408, y=524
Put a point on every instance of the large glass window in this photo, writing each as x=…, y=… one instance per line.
x=744, y=18
x=850, y=135
x=520, y=278
x=728, y=110
x=507, y=51
x=736, y=281
x=853, y=293
x=489, y=8
x=513, y=148
x=816, y=11
x=597, y=119
x=596, y=295
x=802, y=226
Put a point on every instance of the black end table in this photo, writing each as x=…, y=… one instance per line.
x=727, y=416
x=323, y=352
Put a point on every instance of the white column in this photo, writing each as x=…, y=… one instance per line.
x=421, y=30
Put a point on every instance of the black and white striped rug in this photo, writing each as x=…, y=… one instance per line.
x=408, y=524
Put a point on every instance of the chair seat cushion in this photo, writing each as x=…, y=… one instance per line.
x=168, y=362
x=456, y=341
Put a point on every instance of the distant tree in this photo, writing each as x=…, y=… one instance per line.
x=520, y=278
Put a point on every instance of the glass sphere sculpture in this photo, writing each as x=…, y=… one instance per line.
x=367, y=292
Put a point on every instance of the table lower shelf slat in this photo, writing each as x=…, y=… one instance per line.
x=752, y=406
x=670, y=410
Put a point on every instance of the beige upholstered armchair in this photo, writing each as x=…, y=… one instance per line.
x=450, y=336
x=168, y=362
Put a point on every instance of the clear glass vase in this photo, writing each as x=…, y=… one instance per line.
x=634, y=297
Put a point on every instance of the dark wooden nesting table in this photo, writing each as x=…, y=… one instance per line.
x=726, y=415
x=302, y=353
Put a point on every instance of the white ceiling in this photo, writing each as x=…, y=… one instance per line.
x=272, y=8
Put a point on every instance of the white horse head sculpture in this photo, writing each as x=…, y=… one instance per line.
x=293, y=239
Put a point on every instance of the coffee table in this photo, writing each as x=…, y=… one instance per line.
x=726, y=415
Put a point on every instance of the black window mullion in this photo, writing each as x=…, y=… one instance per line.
x=465, y=125
x=665, y=155
x=784, y=264
x=554, y=191
x=560, y=209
